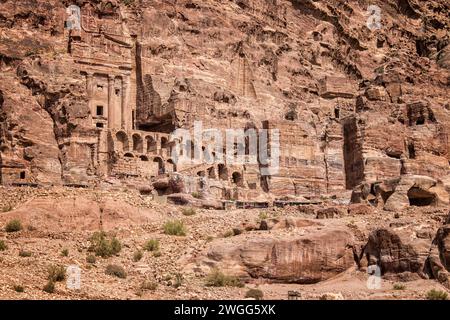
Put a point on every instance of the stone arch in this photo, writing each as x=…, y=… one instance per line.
x=143, y=158
x=237, y=179
x=161, y=168
x=171, y=166
x=164, y=142
x=138, y=144
x=223, y=171
x=211, y=173
x=122, y=141
x=151, y=144
x=128, y=155
x=201, y=173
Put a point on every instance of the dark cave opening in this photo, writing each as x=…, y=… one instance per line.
x=420, y=198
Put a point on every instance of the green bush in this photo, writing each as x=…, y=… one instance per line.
x=3, y=245
x=399, y=286
x=263, y=215
x=128, y=2
x=65, y=252
x=434, y=294
x=24, y=254
x=157, y=254
x=188, y=211
x=196, y=195
x=228, y=234
x=217, y=279
x=104, y=246
x=91, y=259
x=255, y=294
x=13, y=226
x=149, y=285
x=137, y=256
x=116, y=271
x=7, y=208
x=178, y=280
x=56, y=273
x=19, y=288
x=49, y=287
x=152, y=245
x=175, y=228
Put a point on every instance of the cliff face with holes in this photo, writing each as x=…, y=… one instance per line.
x=357, y=109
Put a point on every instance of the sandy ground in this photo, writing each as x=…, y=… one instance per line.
x=58, y=224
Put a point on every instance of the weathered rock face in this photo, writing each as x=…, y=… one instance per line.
x=309, y=255
x=396, y=251
x=439, y=260
x=398, y=194
x=352, y=106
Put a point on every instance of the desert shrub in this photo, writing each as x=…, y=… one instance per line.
x=104, y=246
x=152, y=245
x=178, y=280
x=31, y=228
x=65, y=252
x=116, y=271
x=49, y=287
x=24, y=254
x=157, y=254
x=127, y=2
x=137, y=256
x=188, y=211
x=7, y=208
x=263, y=215
x=149, y=285
x=434, y=294
x=13, y=226
x=399, y=286
x=91, y=259
x=175, y=228
x=237, y=231
x=228, y=234
x=56, y=273
x=3, y=245
x=255, y=294
x=218, y=279
x=19, y=288
x=196, y=195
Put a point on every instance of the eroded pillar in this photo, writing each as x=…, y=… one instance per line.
x=90, y=89
x=111, y=106
x=125, y=112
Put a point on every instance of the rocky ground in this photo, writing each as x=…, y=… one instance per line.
x=58, y=219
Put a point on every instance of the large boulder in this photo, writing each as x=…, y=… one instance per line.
x=304, y=255
x=396, y=251
x=418, y=191
x=439, y=260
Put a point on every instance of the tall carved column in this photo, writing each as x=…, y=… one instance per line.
x=125, y=112
x=90, y=89
x=111, y=106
